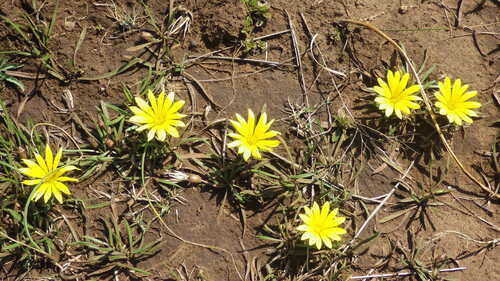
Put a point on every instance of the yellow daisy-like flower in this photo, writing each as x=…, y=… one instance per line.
x=394, y=96
x=160, y=116
x=47, y=175
x=251, y=138
x=453, y=102
x=321, y=226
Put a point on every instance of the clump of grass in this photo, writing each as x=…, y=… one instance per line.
x=5, y=67
x=35, y=35
x=257, y=16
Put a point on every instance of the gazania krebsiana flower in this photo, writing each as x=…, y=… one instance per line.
x=394, y=96
x=49, y=177
x=251, y=138
x=453, y=102
x=160, y=116
x=321, y=225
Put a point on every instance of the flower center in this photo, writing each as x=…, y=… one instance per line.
x=160, y=119
x=252, y=140
x=51, y=177
x=318, y=227
x=452, y=104
x=395, y=96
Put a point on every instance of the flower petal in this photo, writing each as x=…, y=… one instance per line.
x=152, y=101
x=49, y=160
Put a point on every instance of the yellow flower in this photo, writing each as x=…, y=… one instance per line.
x=251, y=138
x=321, y=226
x=47, y=175
x=394, y=96
x=452, y=102
x=159, y=116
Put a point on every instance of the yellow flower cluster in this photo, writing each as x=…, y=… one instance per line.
x=395, y=96
x=160, y=116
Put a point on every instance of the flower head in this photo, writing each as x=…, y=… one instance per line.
x=321, y=226
x=394, y=96
x=160, y=116
x=251, y=138
x=47, y=175
x=453, y=101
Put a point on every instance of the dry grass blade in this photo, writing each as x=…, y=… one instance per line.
x=204, y=93
x=401, y=274
x=298, y=60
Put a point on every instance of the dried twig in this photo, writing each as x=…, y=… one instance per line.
x=379, y=206
x=298, y=60
x=386, y=275
x=202, y=89
x=255, y=61
x=230, y=47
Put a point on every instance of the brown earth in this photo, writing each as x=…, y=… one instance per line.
x=467, y=50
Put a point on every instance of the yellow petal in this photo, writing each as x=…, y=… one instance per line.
x=177, y=123
x=176, y=106
x=62, y=187
x=389, y=110
x=386, y=90
x=40, y=191
x=49, y=158
x=144, y=127
x=318, y=244
x=172, y=131
x=471, y=104
x=137, y=111
x=305, y=218
x=31, y=182
x=152, y=101
x=57, y=159
x=327, y=241
x=411, y=90
x=161, y=134
x=256, y=154
x=151, y=134
x=325, y=210
x=303, y=227
x=63, y=179
x=169, y=101
x=234, y=144
x=455, y=91
x=468, y=95
x=143, y=105
x=57, y=194
x=161, y=103
x=67, y=168
x=251, y=122
x=246, y=154
x=33, y=170
x=266, y=144
x=403, y=82
x=41, y=163
x=48, y=193
x=262, y=127
x=398, y=113
x=308, y=211
x=138, y=119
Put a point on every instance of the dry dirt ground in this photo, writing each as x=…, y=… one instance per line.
x=204, y=234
